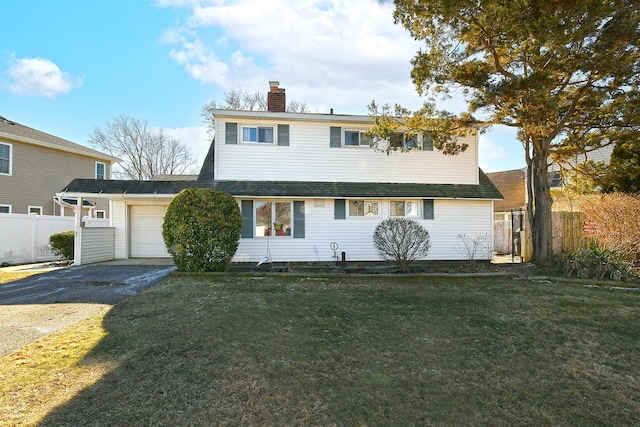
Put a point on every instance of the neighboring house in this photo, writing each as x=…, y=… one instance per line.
x=511, y=185
x=304, y=181
x=34, y=166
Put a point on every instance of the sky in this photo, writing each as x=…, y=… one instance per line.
x=69, y=66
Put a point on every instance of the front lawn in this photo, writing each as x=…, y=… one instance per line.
x=365, y=351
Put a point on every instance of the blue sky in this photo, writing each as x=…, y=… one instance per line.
x=67, y=66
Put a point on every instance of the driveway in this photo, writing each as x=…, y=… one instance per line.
x=44, y=303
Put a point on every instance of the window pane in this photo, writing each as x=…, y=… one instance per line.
x=265, y=135
x=356, y=208
x=4, y=209
x=351, y=138
x=249, y=134
x=263, y=218
x=370, y=208
x=35, y=210
x=365, y=139
x=282, y=223
x=5, y=153
x=99, y=170
x=397, y=209
x=411, y=209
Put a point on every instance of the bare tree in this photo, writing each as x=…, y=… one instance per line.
x=241, y=99
x=144, y=153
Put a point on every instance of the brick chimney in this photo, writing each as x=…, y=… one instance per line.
x=276, y=98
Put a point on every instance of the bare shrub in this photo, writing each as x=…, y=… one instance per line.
x=612, y=221
x=478, y=246
x=401, y=240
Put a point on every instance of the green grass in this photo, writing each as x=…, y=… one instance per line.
x=364, y=351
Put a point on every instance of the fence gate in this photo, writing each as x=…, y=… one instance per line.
x=517, y=227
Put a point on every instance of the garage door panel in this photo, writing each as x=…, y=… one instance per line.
x=146, y=231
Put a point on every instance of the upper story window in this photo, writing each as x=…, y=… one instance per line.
x=404, y=208
x=257, y=134
x=100, y=170
x=356, y=138
x=363, y=208
x=5, y=159
x=5, y=208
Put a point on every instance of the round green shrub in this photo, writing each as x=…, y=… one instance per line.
x=62, y=244
x=201, y=229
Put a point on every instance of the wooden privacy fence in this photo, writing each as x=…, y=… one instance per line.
x=567, y=234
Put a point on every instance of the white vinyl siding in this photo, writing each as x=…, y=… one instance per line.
x=309, y=157
x=97, y=244
x=355, y=238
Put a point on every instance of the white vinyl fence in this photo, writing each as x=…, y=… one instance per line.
x=25, y=238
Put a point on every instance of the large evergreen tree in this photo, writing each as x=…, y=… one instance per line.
x=565, y=73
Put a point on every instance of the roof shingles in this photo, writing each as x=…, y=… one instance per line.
x=485, y=189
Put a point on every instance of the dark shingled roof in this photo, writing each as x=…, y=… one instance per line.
x=485, y=190
x=206, y=172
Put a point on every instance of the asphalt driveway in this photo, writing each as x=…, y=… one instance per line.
x=44, y=303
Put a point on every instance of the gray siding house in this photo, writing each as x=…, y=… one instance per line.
x=34, y=165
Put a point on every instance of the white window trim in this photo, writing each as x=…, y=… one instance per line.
x=418, y=212
x=34, y=207
x=365, y=216
x=266, y=144
x=105, y=170
x=7, y=206
x=103, y=212
x=361, y=132
x=10, y=159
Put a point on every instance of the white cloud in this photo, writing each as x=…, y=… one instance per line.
x=491, y=156
x=327, y=53
x=39, y=77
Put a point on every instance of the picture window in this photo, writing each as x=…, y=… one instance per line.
x=273, y=219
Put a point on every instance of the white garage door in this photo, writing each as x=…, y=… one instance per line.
x=146, y=231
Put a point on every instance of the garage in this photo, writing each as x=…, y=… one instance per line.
x=146, y=231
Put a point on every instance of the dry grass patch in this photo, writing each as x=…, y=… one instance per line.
x=50, y=372
x=12, y=276
x=365, y=351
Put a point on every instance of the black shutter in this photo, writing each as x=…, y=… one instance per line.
x=283, y=135
x=231, y=133
x=298, y=219
x=339, y=210
x=427, y=209
x=335, y=137
x=246, y=206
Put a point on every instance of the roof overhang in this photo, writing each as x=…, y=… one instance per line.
x=87, y=153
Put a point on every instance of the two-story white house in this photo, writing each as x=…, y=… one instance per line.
x=304, y=181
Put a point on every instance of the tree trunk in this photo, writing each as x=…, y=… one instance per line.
x=541, y=230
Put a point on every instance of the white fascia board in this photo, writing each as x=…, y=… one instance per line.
x=302, y=117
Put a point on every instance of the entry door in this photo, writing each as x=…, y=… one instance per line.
x=146, y=231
